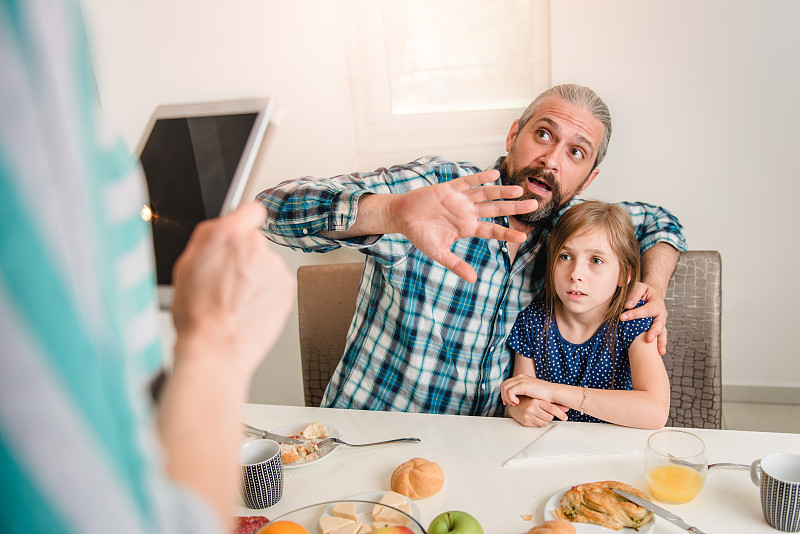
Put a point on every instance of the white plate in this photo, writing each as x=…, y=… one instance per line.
x=554, y=502
x=364, y=510
x=297, y=429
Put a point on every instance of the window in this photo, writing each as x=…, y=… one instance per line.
x=454, y=72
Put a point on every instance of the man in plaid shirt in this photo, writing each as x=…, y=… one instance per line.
x=453, y=254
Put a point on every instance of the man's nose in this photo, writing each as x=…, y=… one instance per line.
x=548, y=160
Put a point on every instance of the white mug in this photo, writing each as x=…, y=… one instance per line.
x=778, y=476
x=262, y=473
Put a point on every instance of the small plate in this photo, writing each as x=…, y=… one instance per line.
x=364, y=510
x=554, y=502
x=297, y=429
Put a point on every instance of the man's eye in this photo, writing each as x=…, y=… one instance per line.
x=577, y=153
x=543, y=135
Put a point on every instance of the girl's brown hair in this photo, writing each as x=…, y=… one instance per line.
x=615, y=221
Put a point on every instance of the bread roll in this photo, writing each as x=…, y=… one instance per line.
x=289, y=453
x=315, y=430
x=557, y=526
x=417, y=478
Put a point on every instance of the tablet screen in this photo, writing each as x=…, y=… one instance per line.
x=189, y=164
x=197, y=159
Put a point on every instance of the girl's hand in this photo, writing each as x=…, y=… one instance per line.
x=525, y=385
x=536, y=412
x=530, y=401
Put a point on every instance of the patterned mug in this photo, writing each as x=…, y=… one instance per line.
x=778, y=476
x=262, y=473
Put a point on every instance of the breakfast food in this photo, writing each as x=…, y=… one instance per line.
x=291, y=454
x=417, y=478
x=455, y=522
x=382, y=514
x=344, y=516
x=249, y=524
x=331, y=524
x=346, y=510
x=283, y=527
x=556, y=526
x=307, y=451
x=315, y=430
x=595, y=503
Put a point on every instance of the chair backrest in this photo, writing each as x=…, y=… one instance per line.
x=694, y=358
x=326, y=302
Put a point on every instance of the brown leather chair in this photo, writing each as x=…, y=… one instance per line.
x=327, y=302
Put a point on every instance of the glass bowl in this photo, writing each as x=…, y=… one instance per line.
x=308, y=516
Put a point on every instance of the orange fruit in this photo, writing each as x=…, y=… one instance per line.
x=282, y=527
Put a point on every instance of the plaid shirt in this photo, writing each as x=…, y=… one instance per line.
x=422, y=339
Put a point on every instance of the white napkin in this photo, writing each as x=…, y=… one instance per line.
x=560, y=442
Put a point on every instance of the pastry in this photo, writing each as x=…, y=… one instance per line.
x=417, y=478
x=595, y=503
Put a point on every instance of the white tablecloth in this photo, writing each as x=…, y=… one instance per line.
x=472, y=451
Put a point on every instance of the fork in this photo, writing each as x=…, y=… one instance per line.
x=329, y=443
x=718, y=464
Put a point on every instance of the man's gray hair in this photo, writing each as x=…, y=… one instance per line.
x=580, y=96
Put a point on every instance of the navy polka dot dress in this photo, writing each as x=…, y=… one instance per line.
x=588, y=364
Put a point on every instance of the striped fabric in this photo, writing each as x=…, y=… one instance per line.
x=78, y=314
x=422, y=339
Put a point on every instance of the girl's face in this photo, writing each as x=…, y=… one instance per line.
x=586, y=273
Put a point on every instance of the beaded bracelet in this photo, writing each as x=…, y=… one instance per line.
x=583, y=404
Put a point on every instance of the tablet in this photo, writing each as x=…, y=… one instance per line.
x=197, y=159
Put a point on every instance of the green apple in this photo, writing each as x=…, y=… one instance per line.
x=455, y=522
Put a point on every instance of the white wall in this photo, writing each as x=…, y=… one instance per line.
x=704, y=97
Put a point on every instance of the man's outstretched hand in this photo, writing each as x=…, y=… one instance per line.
x=436, y=216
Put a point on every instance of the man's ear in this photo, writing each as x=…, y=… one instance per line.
x=512, y=134
x=589, y=180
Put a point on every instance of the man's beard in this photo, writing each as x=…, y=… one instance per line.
x=547, y=209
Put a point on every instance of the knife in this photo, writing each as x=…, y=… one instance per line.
x=666, y=514
x=263, y=434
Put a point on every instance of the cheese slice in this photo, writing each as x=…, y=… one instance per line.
x=354, y=527
x=387, y=515
x=329, y=523
x=345, y=509
x=394, y=499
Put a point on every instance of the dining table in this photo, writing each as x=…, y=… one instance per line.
x=472, y=452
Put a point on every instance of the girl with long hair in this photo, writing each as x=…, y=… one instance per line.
x=574, y=359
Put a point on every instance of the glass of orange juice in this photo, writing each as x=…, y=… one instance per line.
x=675, y=465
